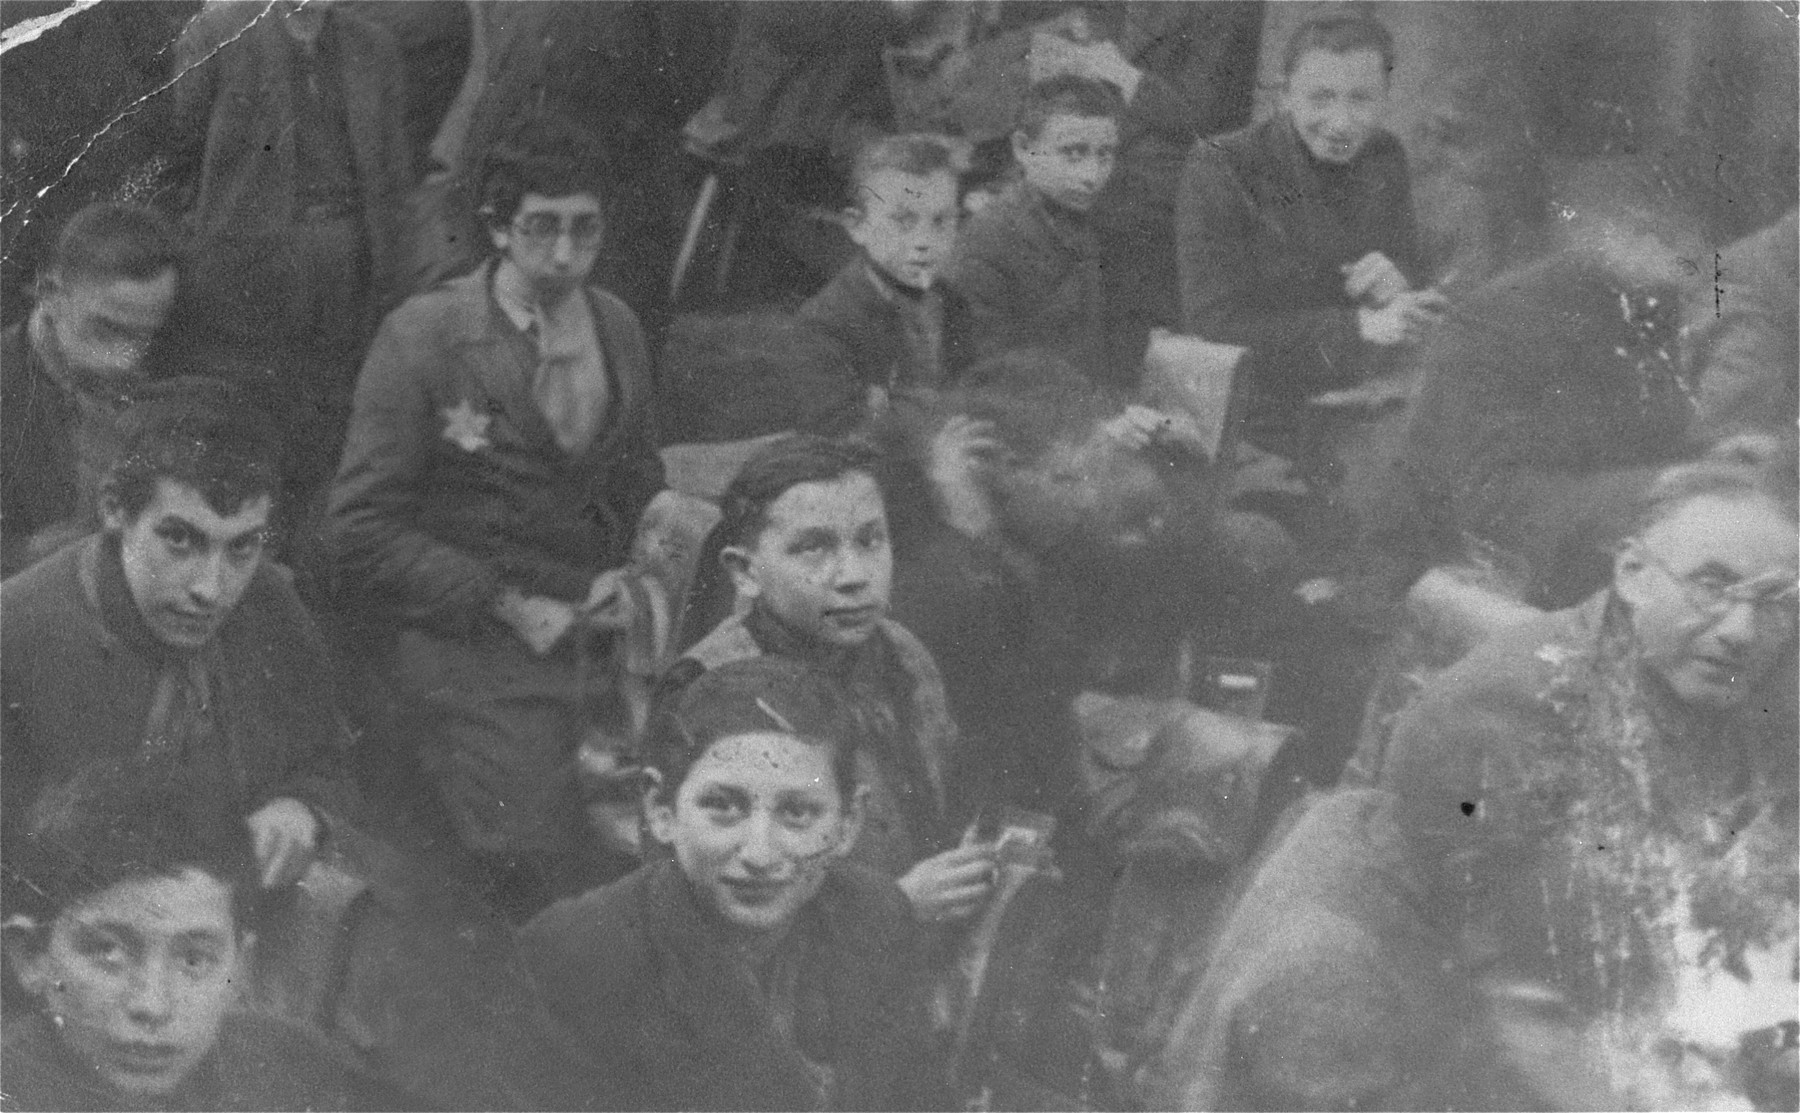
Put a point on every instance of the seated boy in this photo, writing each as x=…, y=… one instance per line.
x=1029, y=261
x=902, y=327
x=131, y=938
x=169, y=636
x=806, y=544
x=499, y=455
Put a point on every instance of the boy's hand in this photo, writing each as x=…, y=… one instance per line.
x=608, y=605
x=285, y=835
x=540, y=622
x=1373, y=280
x=954, y=460
x=951, y=885
x=1405, y=319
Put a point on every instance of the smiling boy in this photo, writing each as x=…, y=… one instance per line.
x=169, y=636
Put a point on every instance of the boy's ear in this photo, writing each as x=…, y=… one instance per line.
x=736, y=561
x=112, y=512
x=851, y=824
x=1628, y=572
x=658, y=816
x=1021, y=144
x=24, y=942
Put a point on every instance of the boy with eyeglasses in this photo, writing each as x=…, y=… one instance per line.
x=499, y=455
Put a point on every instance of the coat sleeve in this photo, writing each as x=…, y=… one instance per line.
x=196, y=75
x=317, y=772
x=997, y=298
x=377, y=548
x=1218, y=244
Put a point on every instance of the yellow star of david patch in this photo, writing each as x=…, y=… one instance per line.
x=466, y=427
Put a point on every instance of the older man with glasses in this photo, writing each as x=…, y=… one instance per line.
x=1576, y=885
x=499, y=457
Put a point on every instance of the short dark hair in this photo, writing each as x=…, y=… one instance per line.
x=128, y=820
x=545, y=154
x=1338, y=34
x=1748, y=466
x=751, y=696
x=1067, y=95
x=915, y=153
x=111, y=239
x=201, y=433
x=783, y=464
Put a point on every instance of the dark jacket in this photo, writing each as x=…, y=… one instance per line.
x=234, y=132
x=639, y=973
x=1545, y=405
x=84, y=681
x=259, y=1063
x=1030, y=272
x=452, y=484
x=867, y=314
x=1260, y=246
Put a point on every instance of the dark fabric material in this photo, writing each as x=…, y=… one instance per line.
x=1030, y=273
x=895, y=686
x=868, y=315
x=1322, y=990
x=81, y=674
x=259, y=1064
x=235, y=139
x=1745, y=343
x=1259, y=249
x=642, y=974
x=452, y=484
x=1548, y=399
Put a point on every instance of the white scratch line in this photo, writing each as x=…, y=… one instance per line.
x=28, y=29
x=133, y=106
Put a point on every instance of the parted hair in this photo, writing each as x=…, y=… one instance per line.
x=201, y=433
x=1340, y=34
x=546, y=154
x=123, y=821
x=915, y=153
x=1748, y=466
x=782, y=464
x=111, y=239
x=757, y=695
x=1067, y=95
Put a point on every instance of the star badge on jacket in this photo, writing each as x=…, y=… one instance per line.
x=466, y=427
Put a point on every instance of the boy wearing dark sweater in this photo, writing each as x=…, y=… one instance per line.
x=902, y=328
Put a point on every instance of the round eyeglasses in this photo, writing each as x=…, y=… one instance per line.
x=1772, y=598
x=541, y=230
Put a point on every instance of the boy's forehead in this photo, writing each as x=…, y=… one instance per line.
x=853, y=496
x=1068, y=127
x=585, y=201
x=176, y=499
x=891, y=187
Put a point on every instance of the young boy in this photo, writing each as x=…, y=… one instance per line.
x=902, y=328
x=499, y=456
x=131, y=935
x=806, y=543
x=1029, y=261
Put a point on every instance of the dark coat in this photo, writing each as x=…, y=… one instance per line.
x=260, y=1063
x=1542, y=413
x=1031, y=275
x=1260, y=249
x=639, y=974
x=866, y=314
x=84, y=681
x=235, y=120
x=452, y=484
